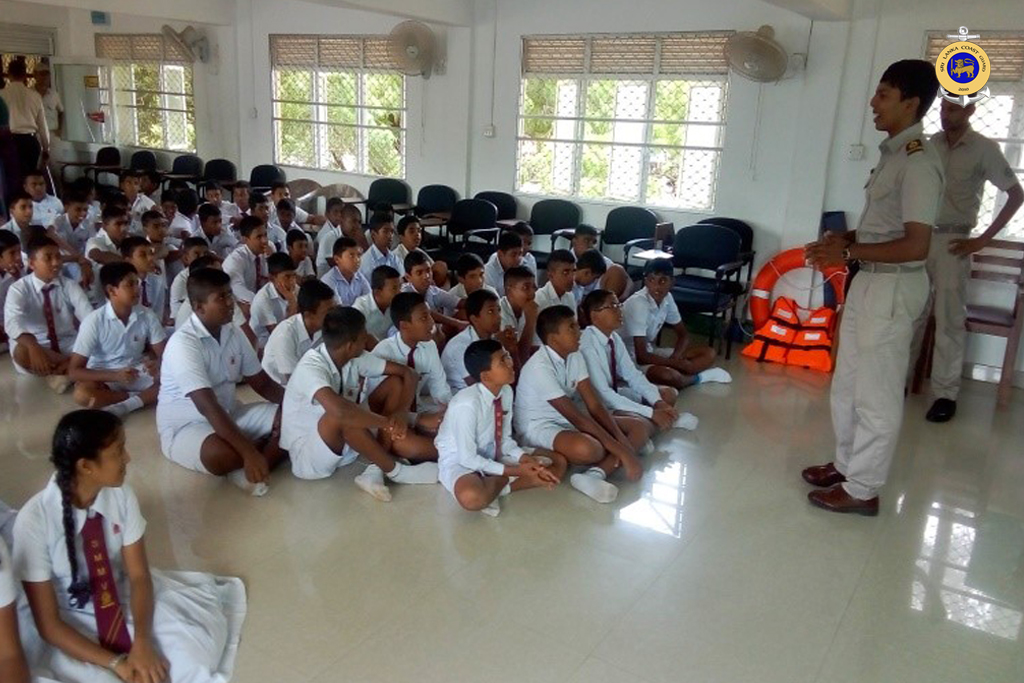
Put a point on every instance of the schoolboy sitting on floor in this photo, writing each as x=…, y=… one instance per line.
x=152, y=287
x=212, y=229
x=345, y=277
x=191, y=249
x=382, y=232
x=45, y=207
x=519, y=312
x=478, y=460
x=12, y=269
x=644, y=314
x=508, y=255
x=590, y=267
x=298, y=333
x=556, y=408
x=115, y=363
x=410, y=237
x=375, y=306
x=525, y=232
x=247, y=264
x=484, y=323
x=329, y=233
x=201, y=424
x=297, y=244
x=276, y=300
x=441, y=302
x=329, y=421
x=614, y=279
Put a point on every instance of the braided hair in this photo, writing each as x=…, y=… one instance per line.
x=80, y=434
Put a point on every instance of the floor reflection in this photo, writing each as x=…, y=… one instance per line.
x=661, y=508
x=966, y=568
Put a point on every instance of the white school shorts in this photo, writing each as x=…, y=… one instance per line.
x=141, y=383
x=314, y=459
x=24, y=371
x=542, y=433
x=450, y=474
x=657, y=351
x=184, y=446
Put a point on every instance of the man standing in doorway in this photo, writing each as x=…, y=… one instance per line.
x=886, y=296
x=969, y=159
x=28, y=122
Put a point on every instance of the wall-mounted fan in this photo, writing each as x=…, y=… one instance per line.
x=188, y=41
x=416, y=50
x=757, y=56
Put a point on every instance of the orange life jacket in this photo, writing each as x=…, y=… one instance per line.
x=774, y=339
x=812, y=345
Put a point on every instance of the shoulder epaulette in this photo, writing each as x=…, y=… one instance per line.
x=914, y=146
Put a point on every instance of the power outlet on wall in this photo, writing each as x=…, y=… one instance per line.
x=489, y=131
x=855, y=152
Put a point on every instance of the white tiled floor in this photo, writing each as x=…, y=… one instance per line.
x=713, y=568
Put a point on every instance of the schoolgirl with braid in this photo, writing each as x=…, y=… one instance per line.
x=98, y=613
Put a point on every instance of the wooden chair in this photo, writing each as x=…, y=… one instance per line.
x=1002, y=261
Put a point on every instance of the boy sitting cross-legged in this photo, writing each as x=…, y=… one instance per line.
x=375, y=306
x=276, y=300
x=478, y=460
x=484, y=323
x=298, y=333
x=298, y=248
x=557, y=409
x=519, y=312
x=329, y=421
x=441, y=302
x=410, y=237
x=152, y=287
x=344, y=277
x=115, y=363
x=613, y=277
x=201, y=424
x=191, y=249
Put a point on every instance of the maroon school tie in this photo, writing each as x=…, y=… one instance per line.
x=499, y=417
x=411, y=362
x=51, y=324
x=110, y=623
x=145, y=295
x=615, y=369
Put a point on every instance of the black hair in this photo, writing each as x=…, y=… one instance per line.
x=914, y=78
x=39, y=241
x=517, y=274
x=551, y=318
x=153, y=176
x=73, y=196
x=334, y=202
x=584, y=230
x=8, y=240
x=343, y=243
x=257, y=198
x=83, y=184
x=34, y=173
x=193, y=242
x=187, y=201
x=659, y=266
x=406, y=221
x=169, y=196
x=126, y=174
x=249, y=224
x=151, y=216
x=112, y=212
x=593, y=261
x=342, y=325
x=476, y=301
x=378, y=221
x=509, y=240
x=311, y=294
x=19, y=195
x=285, y=205
x=130, y=243
x=208, y=211
x=414, y=258
x=115, y=199
x=202, y=282
x=561, y=256
x=467, y=262
x=594, y=299
x=278, y=263
x=403, y=305
x=18, y=68
x=209, y=185
x=207, y=260
x=278, y=185
x=380, y=276
x=176, y=185
x=112, y=274
x=523, y=229
x=80, y=434
x=351, y=208
x=479, y=356
x=294, y=235
x=241, y=185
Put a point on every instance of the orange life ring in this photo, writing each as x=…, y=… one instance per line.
x=791, y=259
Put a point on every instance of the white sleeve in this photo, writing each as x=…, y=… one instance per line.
x=250, y=361
x=545, y=385
x=8, y=586
x=78, y=299
x=88, y=337
x=672, y=316
x=454, y=365
x=156, y=330
x=509, y=448
x=634, y=319
x=185, y=361
x=600, y=378
x=370, y=365
x=437, y=380
x=635, y=379
x=463, y=426
x=259, y=314
x=301, y=215
x=134, y=522
x=32, y=561
x=14, y=311
x=236, y=269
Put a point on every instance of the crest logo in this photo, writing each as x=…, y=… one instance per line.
x=963, y=69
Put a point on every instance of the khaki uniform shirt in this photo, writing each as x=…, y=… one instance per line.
x=968, y=164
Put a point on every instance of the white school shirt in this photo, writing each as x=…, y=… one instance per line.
x=301, y=215
x=378, y=322
x=547, y=297
x=580, y=291
x=222, y=245
x=453, y=358
x=346, y=291
x=156, y=294
x=509, y=318
x=304, y=269
x=545, y=377
x=194, y=360
x=23, y=310
x=643, y=317
x=278, y=237
x=229, y=210
x=13, y=226
x=6, y=280
x=101, y=241
x=597, y=354
x=494, y=274
x=46, y=210
x=439, y=300
x=285, y=346
x=110, y=344
x=241, y=266
x=268, y=308
x=427, y=361
x=185, y=313
x=530, y=262
x=81, y=235
x=374, y=257
x=62, y=226
x=401, y=252
x=182, y=224
x=466, y=436
x=459, y=291
x=141, y=205
x=325, y=239
x=300, y=412
x=179, y=291
x=40, y=548
x=8, y=585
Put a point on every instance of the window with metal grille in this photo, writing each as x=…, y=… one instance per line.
x=339, y=104
x=150, y=89
x=630, y=118
x=999, y=117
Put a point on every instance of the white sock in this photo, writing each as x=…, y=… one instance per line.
x=238, y=479
x=591, y=483
x=424, y=473
x=648, y=448
x=126, y=406
x=719, y=375
x=687, y=421
x=493, y=509
x=372, y=481
x=508, y=487
x=59, y=383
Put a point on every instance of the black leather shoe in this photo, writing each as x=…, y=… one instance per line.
x=942, y=410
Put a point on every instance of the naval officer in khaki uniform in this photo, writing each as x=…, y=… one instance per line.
x=886, y=296
x=969, y=159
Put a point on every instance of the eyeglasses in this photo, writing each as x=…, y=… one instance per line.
x=615, y=306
